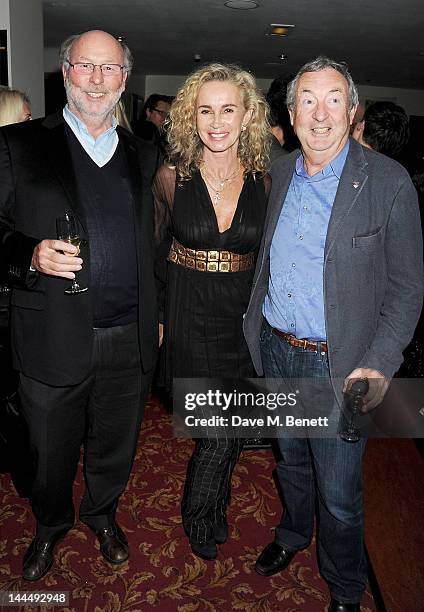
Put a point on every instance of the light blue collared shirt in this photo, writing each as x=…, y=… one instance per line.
x=295, y=299
x=100, y=149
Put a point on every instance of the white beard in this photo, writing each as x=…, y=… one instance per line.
x=75, y=99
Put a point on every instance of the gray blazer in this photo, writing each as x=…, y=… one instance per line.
x=373, y=264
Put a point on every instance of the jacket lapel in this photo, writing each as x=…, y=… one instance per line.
x=281, y=179
x=59, y=156
x=352, y=181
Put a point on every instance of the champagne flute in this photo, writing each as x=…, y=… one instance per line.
x=67, y=230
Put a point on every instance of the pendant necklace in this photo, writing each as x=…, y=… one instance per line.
x=222, y=183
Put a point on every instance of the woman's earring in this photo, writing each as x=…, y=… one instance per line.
x=243, y=128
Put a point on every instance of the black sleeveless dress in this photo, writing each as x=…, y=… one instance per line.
x=204, y=310
x=203, y=315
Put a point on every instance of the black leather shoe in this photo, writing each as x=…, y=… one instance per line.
x=220, y=533
x=205, y=550
x=113, y=544
x=336, y=606
x=38, y=559
x=273, y=559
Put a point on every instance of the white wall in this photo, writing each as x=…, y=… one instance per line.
x=166, y=84
x=25, y=36
x=5, y=25
x=4, y=14
x=411, y=99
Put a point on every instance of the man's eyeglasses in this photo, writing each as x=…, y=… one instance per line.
x=162, y=113
x=87, y=68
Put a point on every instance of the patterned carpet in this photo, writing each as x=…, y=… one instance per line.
x=162, y=574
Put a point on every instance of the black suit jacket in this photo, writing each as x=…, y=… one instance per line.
x=52, y=333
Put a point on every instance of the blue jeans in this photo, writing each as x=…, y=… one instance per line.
x=323, y=474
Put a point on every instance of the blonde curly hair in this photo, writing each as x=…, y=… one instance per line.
x=185, y=147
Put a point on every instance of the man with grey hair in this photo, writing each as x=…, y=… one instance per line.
x=337, y=294
x=85, y=360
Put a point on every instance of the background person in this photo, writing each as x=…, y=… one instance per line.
x=153, y=116
x=15, y=106
x=14, y=447
x=384, y=128
x=85, y=360
x=211, y=203
x=283, y=139
x=150, y=128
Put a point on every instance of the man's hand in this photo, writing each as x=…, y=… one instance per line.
x=49, y=259
x=160, y=334
x=378, y=386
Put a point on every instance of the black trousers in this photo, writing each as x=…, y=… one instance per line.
x=208, y=485
x=104, y=414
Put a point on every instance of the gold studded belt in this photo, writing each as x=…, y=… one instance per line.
x=210, y=261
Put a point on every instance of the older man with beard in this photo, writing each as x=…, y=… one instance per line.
x=84, y=360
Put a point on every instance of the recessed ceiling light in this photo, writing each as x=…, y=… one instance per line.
x=280, y=29
x=241, y=5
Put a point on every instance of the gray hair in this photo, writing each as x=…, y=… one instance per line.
x=318, y=64
x=66, y=49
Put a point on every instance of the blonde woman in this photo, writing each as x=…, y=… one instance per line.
x=210, y=205
x=15, y=106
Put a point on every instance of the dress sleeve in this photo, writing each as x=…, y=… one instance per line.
x=163, y=193
x=267, y=184
x=163, y=188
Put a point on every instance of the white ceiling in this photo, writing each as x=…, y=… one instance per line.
x=382, y=40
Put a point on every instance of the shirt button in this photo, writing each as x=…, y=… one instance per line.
x=300, y=237
x=289, y=295
x=293, y=265
x=305, y=208
x=291, y=324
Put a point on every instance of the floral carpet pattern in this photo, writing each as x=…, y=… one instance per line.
x=162, y=574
